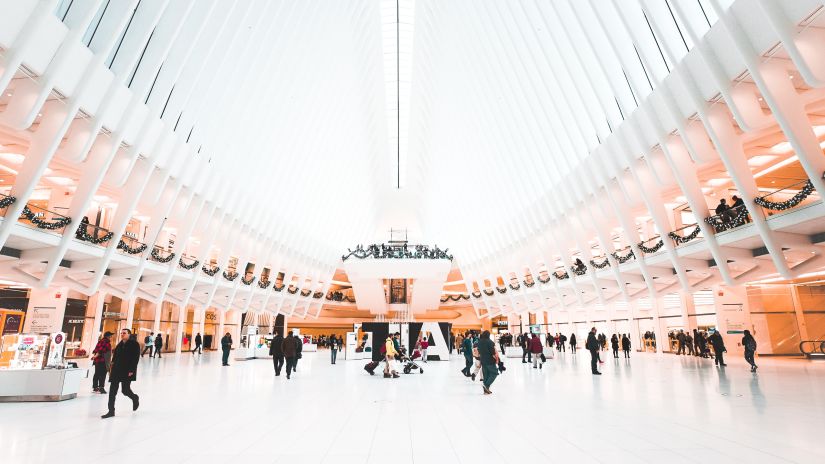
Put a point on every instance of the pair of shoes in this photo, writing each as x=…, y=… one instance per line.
x=395, y=375
x=95, y=390
x=102, y=391
x=597, y=373
x=534, y=367
x=135, y=403
x=473, y=376
x=287, y=376
x=487, y=391
x=108, y=415
x=541, y=365
x=724, y=365
x=226, y=364
x=523, y=361
x=386, y=375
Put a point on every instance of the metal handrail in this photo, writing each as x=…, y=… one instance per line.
x=652, y=239
x=817, y=346
x=802, y=182
x=98, y=232
x=55, y=217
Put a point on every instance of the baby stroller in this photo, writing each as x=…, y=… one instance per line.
x=409, y=361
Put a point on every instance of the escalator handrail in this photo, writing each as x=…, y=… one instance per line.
x=818, y=347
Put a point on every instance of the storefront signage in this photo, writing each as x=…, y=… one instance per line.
x=44, y=319
x=211, y=317
x=111, y=315
x=11, y=325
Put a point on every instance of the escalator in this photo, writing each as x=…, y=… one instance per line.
x=813, y=349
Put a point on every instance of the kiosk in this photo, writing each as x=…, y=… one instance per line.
x=32, y=368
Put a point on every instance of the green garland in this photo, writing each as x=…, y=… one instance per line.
x=792, y=202
x=264, y=283
x=232, y=275
x=7, y=201
x=278, y=288
x=210, y=271
x=246, y=281
x=162, y=259
x=82, y=234
x=600, y=265
x=41, y=224
x=684, y=239
x=650, y=250
x=623, y=259
x=318, y=295
x=121, y=245
x=188, y=267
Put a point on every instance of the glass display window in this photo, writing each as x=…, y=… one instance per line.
x=24, y=351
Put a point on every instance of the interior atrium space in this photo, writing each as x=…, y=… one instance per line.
x=485, y=230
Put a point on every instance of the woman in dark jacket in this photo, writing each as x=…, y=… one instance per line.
x=124, y=371
x=158, y=345
x=614, y=344
x=536, y=350
x=573, y=343
x=626, y=345
x=102, y=360
x=226, y=346
x=749, y=343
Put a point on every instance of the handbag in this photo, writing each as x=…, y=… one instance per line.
x=543, y=358
x=501, y=367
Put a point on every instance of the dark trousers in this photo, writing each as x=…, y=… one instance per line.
x=562, y=347
x=295, y=363
x=127, y=391
x=99, y=379
x=198, y=349
x=572, y=347
x=290, y=365
x=157, y=350
x=720, y=357
x=490, y=372
x=278, y=363
x=615, y=352
x=333, y=354
x=225, y=359
x=749, y=357
x=468, y=364
x=526, y=352
x=594, y=358
x=147, y=347
x=626, y=353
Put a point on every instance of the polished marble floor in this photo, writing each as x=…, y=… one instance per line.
x=649, y=409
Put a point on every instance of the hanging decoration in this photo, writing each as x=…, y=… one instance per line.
x=721, y=224
x=561, y=276
x=190, y=266
x=528, y=283
x=795, y=200
x=335, y=296
x=476, y=295
x=230, y=276
x=306, y=292
x=515, y=287
x=650, y=250
x=544, y=281
x=121, y=245
x=162, y=259
x=292, y=289
x=447, y=298
x=7, y=201
x=58, y=223
x=211, y=270
x=623, y=259
x=684, y=239
x=264, y=283
x=579, y=268
x=501, y=290
x=82, y=234
x=489, y=292
x=600, y=265
x=318, y=295
x=382, y=251
x=246, y=281
x=278, y=288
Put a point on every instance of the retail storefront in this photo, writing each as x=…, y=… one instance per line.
x=13, y=304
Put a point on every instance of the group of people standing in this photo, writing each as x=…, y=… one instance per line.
x=286, y=350
x=151, y=342
x=481, y=349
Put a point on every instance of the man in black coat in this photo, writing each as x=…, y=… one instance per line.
x=124, y=371
x=158, y=344
x=592, y=345
x=226, y=346
x=198, y=344
x=289, y=348
x=718, y=348
x=277, y=352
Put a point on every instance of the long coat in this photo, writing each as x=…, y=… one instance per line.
x=125, y=360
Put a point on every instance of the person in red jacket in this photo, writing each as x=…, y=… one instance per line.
x=536, y=350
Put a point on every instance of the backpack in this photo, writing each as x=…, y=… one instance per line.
x=751, y=344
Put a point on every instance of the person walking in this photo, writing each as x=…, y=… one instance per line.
x=226, y=345
x=125, y=360
x=390, y=353
x=536, y=350
x=614, y=344
x=333, y=348
x=299, y=348
x=719, y=349
x=289, y=347
x=277, y=352
x=148, y=344
x=198, y=344
x=425, y=343
x=467, y=350
x=102, y=361
x=573, y=343
x=489, y=361
x=626, y=345
x=158, y=344
x=749, y=343
x=562, y=341
x=592, y=345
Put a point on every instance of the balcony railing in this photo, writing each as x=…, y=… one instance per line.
x=651, y=245
x=685, y=234
x=5, y=202
x=730, y=219
x=92, y=233
x=623, y=255
x=161, y=255
x=44, y=219
x=188, y=262
x=788, y=197
x=131, y=245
